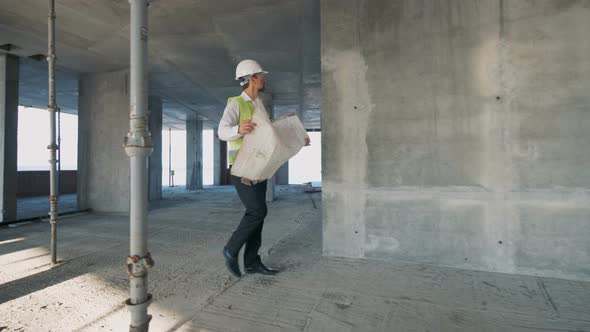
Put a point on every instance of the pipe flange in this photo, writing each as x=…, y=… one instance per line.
x=136, y=151
x=138, y=310
x=147, y=2
x=138, y=266
x=139, y=140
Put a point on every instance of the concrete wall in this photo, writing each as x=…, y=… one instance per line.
x=103, y=122
x=267, y=101
x=456, y=133
x=36, y=183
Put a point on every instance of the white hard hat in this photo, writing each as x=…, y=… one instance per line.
x=248, y=67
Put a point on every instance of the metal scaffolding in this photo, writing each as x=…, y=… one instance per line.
x=170, y=171
x=52, y=108
x=138, y=146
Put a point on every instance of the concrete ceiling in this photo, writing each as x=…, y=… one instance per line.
x=194, y=47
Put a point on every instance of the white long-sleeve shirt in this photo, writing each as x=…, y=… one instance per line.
x=230, y=121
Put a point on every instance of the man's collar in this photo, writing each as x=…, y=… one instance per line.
x=245, y=96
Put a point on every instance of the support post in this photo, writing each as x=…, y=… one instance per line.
x=155, y=159
x=58, y=151
x=52, y=108
x=170, y=184
x=216, y=159
x=138, y=146
x=271, y=186
x=282, y=175
x=9, y=82
x=194, y=154
x=225, y=177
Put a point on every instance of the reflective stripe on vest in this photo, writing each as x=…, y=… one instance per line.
x=246, y=112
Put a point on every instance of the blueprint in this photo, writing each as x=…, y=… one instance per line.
x=269, y=146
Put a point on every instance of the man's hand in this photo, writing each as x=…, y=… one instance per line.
x=307, y=141
x=246, y=127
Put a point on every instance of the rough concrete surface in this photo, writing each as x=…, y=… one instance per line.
x=455, y=133
x=194, y=292
x=103, y=123
x=9, y=80
x=194, y=154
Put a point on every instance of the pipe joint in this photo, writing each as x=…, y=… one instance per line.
x=137, y=266
x=139, y=139
x=139, y=320
x=138, y=123
x=138, y=144
x=147, y=2
x=138, y=151
x=52, y=146
x=139, y=136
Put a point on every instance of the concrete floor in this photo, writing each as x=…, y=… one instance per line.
x=193, y=291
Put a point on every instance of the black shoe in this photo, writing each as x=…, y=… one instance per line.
x=261, y=269
x=231, y=262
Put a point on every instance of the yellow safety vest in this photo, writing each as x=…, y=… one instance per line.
x=246, y=112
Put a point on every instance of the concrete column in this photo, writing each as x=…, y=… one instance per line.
x=155, y=159
x=268, y=105
x=9, y=77
x=282, y=175
x=223, y=168
x=103, y=122
x=194, y=154
x=480, y=160
x=216, y=159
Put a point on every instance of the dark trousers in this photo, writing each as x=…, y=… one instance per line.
x=249, y=231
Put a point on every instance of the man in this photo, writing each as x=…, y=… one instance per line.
x=234, y=125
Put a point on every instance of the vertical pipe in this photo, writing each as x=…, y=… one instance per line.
x=170, y=157
x=52, y=107
x=58, y=151
x=138, y=146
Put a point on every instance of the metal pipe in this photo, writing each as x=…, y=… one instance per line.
x=58, y=151
x=138, y=146
x=52, y=107
x=170, y=157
